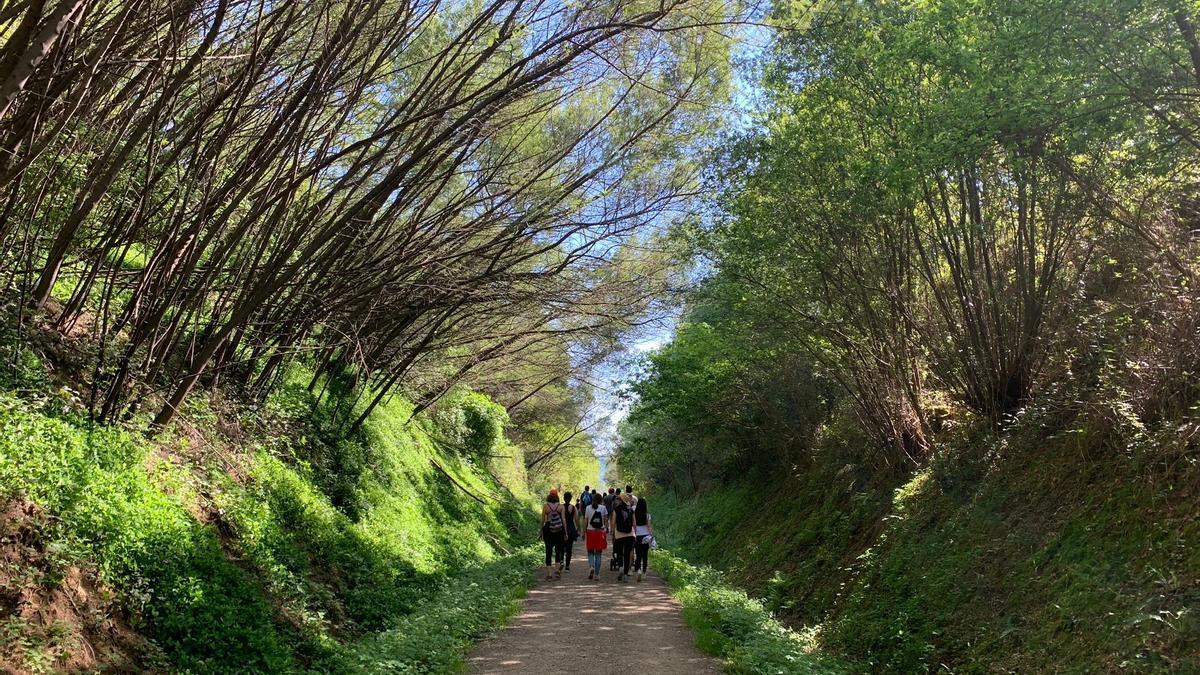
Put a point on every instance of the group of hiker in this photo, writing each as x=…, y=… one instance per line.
x=618, y=515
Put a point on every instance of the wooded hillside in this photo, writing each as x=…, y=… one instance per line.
x=937, y=388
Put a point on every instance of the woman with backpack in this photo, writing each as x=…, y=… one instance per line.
x=622, y=529
x=554, y=533
x=595, y=536
x=572, y=516
x=643, y=530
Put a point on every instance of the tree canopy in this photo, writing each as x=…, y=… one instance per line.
x=398, y=190
x=965, y=205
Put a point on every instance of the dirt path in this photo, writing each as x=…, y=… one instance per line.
x=597, y=627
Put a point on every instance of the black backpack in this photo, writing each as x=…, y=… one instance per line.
x=624, y=518
x=597, y=521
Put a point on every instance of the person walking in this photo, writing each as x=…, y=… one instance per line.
x=643, y=531
x=572, y=516
x=595, y=536
x=598, y=500
x=632, y=501
x=554, y=533
x=623, y=539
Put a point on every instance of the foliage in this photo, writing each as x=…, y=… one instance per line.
x=406, y=190
x=471, y=421
x=925, y=190
x=435, y=637
x=559, y=455
x=721, y=399
x=261, y=562
x=195, y=604
x=964, y=232
x=730, y=624
x=570, y=470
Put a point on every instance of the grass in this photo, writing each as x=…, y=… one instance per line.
x=732, y=625
x=436, y=637
x=1019, y=553
x=791, y=541
x=291, y=552
x=176, y=580
x=1049, y=560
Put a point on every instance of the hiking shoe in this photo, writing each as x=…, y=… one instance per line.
x=591, y=574
x=639, y=577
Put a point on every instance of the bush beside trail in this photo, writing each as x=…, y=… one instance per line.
x=211, y=549
x=732, y=625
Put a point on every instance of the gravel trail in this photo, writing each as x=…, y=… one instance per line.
x=572, y=625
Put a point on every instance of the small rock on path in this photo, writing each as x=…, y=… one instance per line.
x=596, y=627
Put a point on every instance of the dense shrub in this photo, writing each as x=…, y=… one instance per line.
x=471, y=421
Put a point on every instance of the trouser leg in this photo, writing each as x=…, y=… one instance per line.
x=643, y=555
x=624, y=546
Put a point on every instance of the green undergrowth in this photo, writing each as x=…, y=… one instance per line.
x=110, y=508
x=732, y=625
x=289, y=550
x=435, y=638
x=1035, y=557
x=791, y=541
x=1019, y=553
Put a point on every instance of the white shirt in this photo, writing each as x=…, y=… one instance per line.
x=642, y=530
x=587, y=516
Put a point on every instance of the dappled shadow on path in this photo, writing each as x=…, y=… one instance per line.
x=600, y=627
